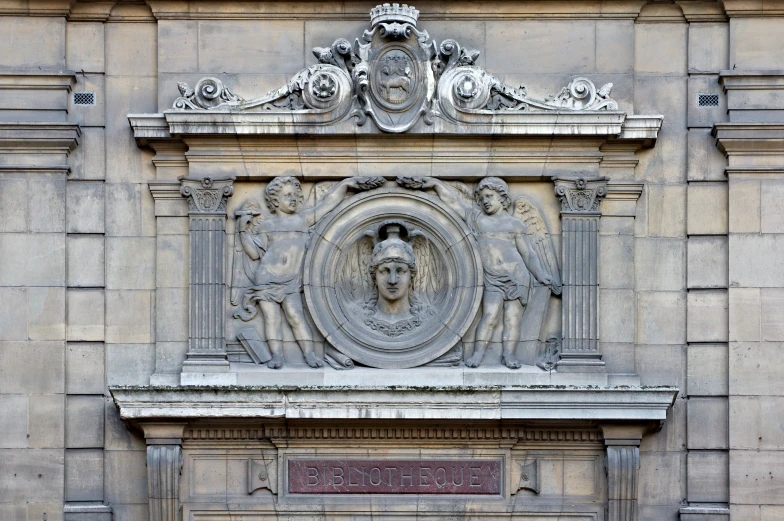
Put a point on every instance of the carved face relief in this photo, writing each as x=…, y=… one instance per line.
x=491, y=201
x=288, y=199
x=393, y=280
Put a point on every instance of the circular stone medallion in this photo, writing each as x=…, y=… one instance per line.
x=443, y=267
x=395, y=78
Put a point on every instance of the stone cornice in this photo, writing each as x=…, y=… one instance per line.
x=615, y=125
x=752, y=80
x=744, y=139
x=41, y=138
x=37, y=79
x=459, y=10
x=562, y=403
x=746, y=9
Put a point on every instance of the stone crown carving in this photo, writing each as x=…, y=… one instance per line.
x=395, y=74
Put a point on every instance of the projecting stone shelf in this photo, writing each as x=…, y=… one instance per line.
x=633, y=404
x=578, y=124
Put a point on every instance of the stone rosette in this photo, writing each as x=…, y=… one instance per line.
x=458, y=281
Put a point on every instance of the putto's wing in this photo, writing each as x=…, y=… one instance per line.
x=525, y=210
x=353, y=279
x=243, y=267
x=318, y=191
x=429, y=281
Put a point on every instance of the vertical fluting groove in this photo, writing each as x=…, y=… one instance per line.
x=622, y=467
x=163, y=481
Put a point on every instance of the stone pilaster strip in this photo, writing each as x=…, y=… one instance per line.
x=623, y=465
x=164, y=467
x=207, y=213
x=580, y=198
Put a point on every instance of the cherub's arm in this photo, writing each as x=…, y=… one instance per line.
x=336, y=195
x=448, y=195
x=532, y=261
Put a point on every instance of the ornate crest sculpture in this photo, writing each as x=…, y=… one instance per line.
x=395, y=74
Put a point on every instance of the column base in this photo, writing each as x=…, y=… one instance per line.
x=206, y=363
x=580, y=363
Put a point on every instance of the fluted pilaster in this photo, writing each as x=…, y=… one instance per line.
x=580, y=198
x=623, y=464
x=164, y=464
x=207, y=212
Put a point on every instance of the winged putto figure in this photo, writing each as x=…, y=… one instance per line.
x=269, y=254
x=517, y=257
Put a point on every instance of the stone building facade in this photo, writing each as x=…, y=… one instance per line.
x=534, y=271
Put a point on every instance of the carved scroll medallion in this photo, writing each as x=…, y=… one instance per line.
x=393, y=278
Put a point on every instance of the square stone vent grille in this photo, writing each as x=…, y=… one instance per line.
x=707, y=100
x=84, y=98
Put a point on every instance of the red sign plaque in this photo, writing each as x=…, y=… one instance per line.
x=382, y=476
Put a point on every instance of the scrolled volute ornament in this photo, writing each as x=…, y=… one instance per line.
x=582, y=94
x=580, y=194
x=206, y=194
x=210, y=93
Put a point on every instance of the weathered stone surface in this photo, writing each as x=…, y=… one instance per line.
x=85, y=207
x=744, y=206
x=705, y=162
x=126, y=476
x=49, y=35
x=46, y=421
x=708, y=477
x=708, y=369
x=765, y=249
x=13, y=421
x=707, y=209
x=748, y=376
x=85, y=315
x=48, y=249
x=129, y=316
x=755, y=42
x=772, y=206
x=130, y=263
x=84, y=475
x=129, y=364
x=661, y=317
x=31, y=367
x=659, y=264
x=85, y=46
x=707, y=262
x=708, y=47
x=84, y=422
x=86, y=261
x=760, y=481
x=32, y=475
x=708, y=423
x=707, y=315
x=754, y=423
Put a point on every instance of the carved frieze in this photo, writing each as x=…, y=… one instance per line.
x=396, y=74
x=393, y=276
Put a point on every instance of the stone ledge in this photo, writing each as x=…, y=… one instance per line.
x=604, y=124
x=413, y=402
x=705, y=512
x=87, y=512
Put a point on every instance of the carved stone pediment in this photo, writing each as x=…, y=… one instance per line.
x=395, y=74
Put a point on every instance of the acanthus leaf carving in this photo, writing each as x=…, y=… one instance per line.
x=207, y=194
x=580, y=194
x=396, y=74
